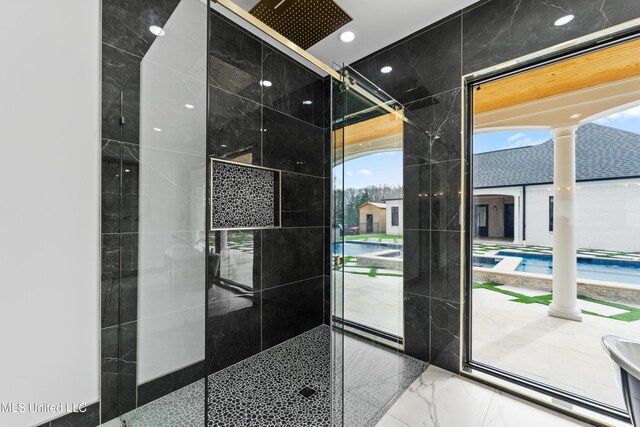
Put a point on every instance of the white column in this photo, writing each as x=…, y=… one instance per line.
x=565, y=288
x=517, y=224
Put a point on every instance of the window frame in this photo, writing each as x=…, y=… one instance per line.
x=578, y=406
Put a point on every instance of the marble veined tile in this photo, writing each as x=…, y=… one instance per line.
x=436, y=399
x=507, y=411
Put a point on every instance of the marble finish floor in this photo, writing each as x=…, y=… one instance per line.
x=439, y=398
x=264, y=390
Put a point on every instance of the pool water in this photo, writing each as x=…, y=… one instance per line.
x=362, y=248
x=486, y=262
x=608, y=270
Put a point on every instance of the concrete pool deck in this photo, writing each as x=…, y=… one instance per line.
x=519, y=338
x=525, y=340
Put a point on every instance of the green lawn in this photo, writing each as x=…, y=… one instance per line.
x=631, y=316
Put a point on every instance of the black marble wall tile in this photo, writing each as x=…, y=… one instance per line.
x=110, y=253
x=445, y=334
x=501, y=30
x=291, y=144
x=416, y=326
x=291, y=254
x=120, y=72
x=417, y=195
x=129, y=254
x=128, y=359
x=417, y=253
x=125, y=23
x=110, y=186
x=109, y=371
x=89, y=418
x=302, y=200
x=235, y=125
x=438, y=117
x=235, y=59
x=130, y=188
x=110, y=299
x=129, y=297
x=233, y=328
x=295, y=90
x=290, y=310
x=426, y=64
x=445, y=195
x=445, y=265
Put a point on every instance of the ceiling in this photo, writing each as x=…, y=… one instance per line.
x=376, y=24
x=593, y=69
x=564, y=93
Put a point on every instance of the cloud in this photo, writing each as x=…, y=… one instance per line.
x=349, y=173
x=516, y=136
x=366, y=172
x=525, y=142
x=631, y=113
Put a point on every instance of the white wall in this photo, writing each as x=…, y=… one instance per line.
x=171, y=279
x=394, y=230
x=607, y=215
x=50, y=212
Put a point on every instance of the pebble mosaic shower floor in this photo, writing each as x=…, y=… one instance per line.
x=264, y=390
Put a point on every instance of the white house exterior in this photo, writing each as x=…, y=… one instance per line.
x=512, y=191
x=394, y=216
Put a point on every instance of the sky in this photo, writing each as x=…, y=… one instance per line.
x=386, y=168
x=374, y=169
x=628, y=120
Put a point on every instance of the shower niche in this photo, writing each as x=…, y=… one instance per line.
x=243, y=196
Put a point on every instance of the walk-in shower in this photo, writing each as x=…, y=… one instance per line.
x=229, y=299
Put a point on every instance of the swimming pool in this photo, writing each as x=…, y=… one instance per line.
x=362, y=248
x=608, y=270
x=486, y=262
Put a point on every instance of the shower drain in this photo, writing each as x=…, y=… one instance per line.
x=307, y=392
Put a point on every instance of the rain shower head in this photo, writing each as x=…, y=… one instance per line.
x=304, y=22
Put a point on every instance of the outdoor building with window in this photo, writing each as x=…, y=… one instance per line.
x=513, y=191
x=394, y=216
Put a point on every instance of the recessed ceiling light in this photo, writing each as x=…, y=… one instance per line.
x=386, y=69
x=575, y=116
x=307, y=102
x=157, y=129
x=157, y=31
x=347, y=36
x=189, y=106
x=127, y=170
x=265, y=83
x=564, y=20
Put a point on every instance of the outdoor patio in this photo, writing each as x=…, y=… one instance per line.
x=525, y=340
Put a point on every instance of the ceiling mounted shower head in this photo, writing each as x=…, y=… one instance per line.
x=304, y=22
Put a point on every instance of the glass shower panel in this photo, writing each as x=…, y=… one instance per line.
x=163, y=220
x=370, y=370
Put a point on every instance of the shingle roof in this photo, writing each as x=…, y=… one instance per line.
x=601, y=152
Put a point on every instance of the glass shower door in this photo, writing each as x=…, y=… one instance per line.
x=370, y=368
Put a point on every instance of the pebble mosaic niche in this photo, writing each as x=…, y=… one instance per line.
x=243, y=196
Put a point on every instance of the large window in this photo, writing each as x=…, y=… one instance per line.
x=555, y=158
